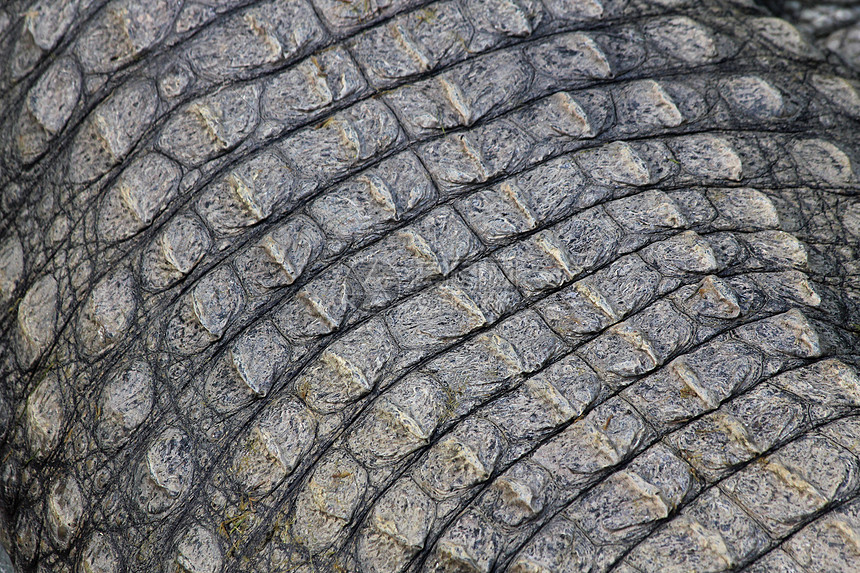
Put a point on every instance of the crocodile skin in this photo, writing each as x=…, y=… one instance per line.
x=832, y=25
x=393, y=285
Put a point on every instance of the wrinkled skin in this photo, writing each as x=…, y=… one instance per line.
x=397, y=286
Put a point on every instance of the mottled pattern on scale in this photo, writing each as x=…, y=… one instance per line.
x=381, y=285
x=833, y=25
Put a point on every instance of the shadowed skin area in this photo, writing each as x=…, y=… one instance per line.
x=392, y=285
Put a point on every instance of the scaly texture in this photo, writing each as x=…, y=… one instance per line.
x=833, y=26
x=393, y=285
